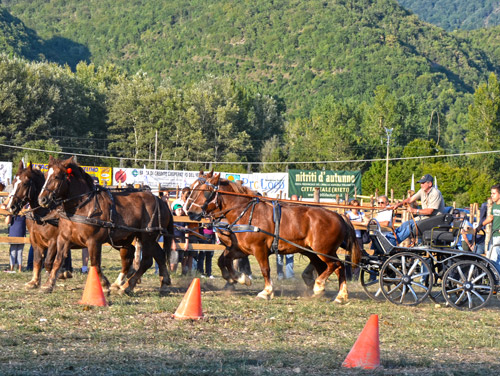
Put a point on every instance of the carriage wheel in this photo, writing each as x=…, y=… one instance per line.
x=438, y=269
x=406, y=279
x=369, y=279
x=467, y=285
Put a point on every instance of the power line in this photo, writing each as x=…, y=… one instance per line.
x=255, y=163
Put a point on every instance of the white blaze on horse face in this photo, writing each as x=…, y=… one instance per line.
x=11, y=194
x=49, y=174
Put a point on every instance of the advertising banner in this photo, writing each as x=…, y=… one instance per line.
x=150, y=177
x=6, y=173
x=331, y=183
x=270, y=183
x=102, y=173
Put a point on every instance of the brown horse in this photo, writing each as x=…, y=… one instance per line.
x=92, y=215
x=43, y=224
x=301, y=228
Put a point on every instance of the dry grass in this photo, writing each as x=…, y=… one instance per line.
x=52, y=334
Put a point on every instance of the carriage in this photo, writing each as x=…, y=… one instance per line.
x=434, y=269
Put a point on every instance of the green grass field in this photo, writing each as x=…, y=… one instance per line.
x=51, y=334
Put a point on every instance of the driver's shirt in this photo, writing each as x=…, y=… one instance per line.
x=433, y=199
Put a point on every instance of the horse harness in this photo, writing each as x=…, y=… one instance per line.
x=110, y=225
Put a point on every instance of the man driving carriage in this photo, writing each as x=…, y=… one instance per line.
x=432, y=204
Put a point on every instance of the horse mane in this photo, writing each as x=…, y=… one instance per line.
x=238, y=188
x=37, y=177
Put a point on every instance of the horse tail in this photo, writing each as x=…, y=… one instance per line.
x=351, y=242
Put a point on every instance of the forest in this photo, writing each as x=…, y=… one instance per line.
x=456, y=14
x=277, y=82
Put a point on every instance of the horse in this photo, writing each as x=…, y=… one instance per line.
x=287, y=227
x=42, y=225
x=90, y=216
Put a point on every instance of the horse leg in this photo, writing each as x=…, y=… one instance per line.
x=222, y=263
x=95, y=254
x=343, y=295
x=127, y=258
x=37, y=268
x=263, y=260
x=319, y=284
x=160, y=257
x=55, y=259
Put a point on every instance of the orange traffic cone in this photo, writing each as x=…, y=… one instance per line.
x=366, y=352
x=190, y=307
x=93, y=294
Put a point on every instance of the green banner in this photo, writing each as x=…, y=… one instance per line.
x=331, y=183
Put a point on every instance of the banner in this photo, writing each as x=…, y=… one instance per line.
x=331, y=183
x=153, y=178
x=102, y=173
x=6, y=173
x=269, y=183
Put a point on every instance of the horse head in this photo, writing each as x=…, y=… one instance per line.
x=62, y=179
x=203, y=197
x=27, y=184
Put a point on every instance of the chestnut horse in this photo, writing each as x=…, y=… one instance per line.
x=301, y=228
x=92, y=215
x=43, y=225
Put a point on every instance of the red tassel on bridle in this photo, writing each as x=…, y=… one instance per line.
x=69, y=172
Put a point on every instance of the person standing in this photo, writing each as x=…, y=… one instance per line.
x=17, y=228
x=494, y=218
x=204, y=262
x=285, y=260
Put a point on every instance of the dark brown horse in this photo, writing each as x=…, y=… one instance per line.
x=42, y=225
x=91, y=216
x=303, y=227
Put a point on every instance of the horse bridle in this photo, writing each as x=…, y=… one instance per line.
x=211, y=196
x=22, y=202
x=55, y=191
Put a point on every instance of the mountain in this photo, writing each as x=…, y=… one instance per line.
x=299, y=50
x=19, y=40
x=456, y=14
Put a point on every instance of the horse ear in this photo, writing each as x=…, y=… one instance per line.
x=51, y=159
x=30, y=166
x=20, y=167
x=69, y=160
x=210, y=174
x=217, y=178
x=200, y=174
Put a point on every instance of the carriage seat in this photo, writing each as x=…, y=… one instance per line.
x=441, y=230
x=379, y=241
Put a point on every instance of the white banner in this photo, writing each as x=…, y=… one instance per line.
x=270, y=183
x=6, y=173
x=166, y=178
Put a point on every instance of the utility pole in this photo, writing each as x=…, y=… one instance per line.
x=156, y=146
x=388, y=132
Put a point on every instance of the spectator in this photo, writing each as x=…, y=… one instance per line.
x=464, y=242
x=432, y=204
x=480, y=238
x=17, y=228
x=285, y=260
x=494, y=218
x=355, y=215
x=205, y=257
x=85, y=260
x=182, y=200
x=176, y=256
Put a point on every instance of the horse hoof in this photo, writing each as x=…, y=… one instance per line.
x=68, y=274
x=164, y=291
x=229, y=287
x=340, y=301
x=31, y=285
x=47, y=289
x=264, y=295
x=244, y=280
x=318, y=294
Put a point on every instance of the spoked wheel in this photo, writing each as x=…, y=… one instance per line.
x=467, y=285
x=438, y=268
x=406, y=279
x=369, y=279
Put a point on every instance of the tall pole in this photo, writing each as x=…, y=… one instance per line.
x=388, y=132
x=156, y=146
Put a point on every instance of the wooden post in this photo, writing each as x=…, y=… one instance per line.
x=392, y=196
x=316, y=194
